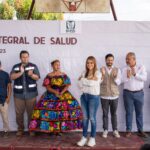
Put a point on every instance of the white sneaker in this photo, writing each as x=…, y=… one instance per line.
x=82, y=142
x=91, y=142
x=116, y=134
x=105, y=134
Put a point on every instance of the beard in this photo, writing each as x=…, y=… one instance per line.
x=109, y=64
x=24, y=63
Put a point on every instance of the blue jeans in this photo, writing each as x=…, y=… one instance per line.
x=89, y=104
x=134, y=100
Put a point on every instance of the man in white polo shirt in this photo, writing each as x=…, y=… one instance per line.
x=133, y=76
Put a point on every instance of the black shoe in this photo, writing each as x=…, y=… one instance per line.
x=51, y=134
x=58, y=134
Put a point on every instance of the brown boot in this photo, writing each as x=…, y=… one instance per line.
x=128, y=134
x=19, y=133
x=32, y=134
x=6, y=134
x=142, y=134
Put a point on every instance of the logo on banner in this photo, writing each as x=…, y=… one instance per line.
x=70, y=26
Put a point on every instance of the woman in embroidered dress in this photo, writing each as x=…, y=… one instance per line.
x=57, y=111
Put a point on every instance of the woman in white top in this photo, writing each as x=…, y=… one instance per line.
x=89, y=83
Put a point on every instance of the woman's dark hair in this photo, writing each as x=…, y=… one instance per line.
x=92, y=58
x=145, y=147
x=23, y=52
x=54, y=61
x=109, y=55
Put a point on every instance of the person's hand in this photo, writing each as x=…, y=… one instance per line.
x=129, y=73
x=114, y=73
x=30, y=73
x=90, y=77
x=95, y=77
x=57, y=93
x=103, y=71
x=22, y=69
x=7, y=100
x=133, y=71
x=80, y=77
x=61, y=93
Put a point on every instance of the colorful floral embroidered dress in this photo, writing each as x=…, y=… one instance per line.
x=56, y=114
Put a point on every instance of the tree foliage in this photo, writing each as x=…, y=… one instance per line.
x=21, y=7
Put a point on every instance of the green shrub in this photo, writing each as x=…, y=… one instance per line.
x=8, y=8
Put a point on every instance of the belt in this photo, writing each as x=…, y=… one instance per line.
x=133, y=91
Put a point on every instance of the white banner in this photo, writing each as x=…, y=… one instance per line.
x=46, y=41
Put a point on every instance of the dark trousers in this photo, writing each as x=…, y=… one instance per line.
x=134, y=101
x=112, y=104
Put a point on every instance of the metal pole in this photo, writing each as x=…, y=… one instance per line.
x=113, y=10
x=31, y=9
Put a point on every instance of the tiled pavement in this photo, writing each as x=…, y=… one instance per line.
x=68, y=142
